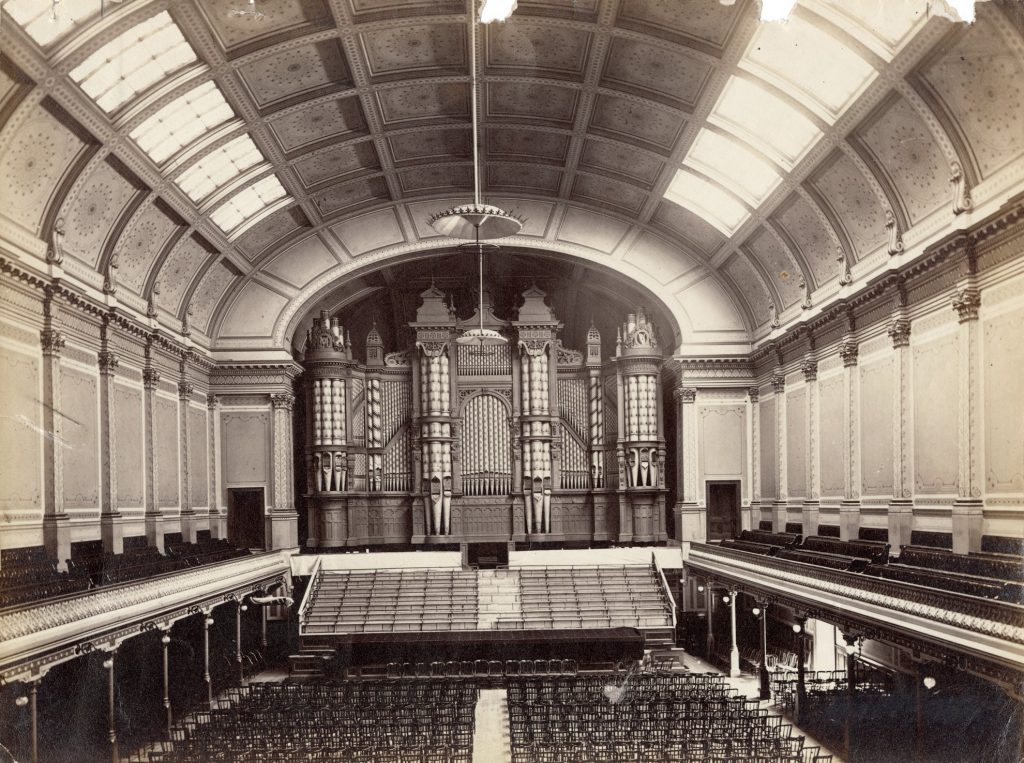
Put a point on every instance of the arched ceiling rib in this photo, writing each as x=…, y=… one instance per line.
x=728, y=159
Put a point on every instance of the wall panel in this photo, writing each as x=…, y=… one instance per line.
x=831, y=400
x=129, y=447
x=1003, y=350
x=197, y=454
x=934, y=400
x=876, y=409
x=245, y=440
x=723, y=441
x=769, y=450
x=796, y=443
x=166, y=415
x=21, y=439
x=79, y=410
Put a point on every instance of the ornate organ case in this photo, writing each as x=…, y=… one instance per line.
x=446, y=443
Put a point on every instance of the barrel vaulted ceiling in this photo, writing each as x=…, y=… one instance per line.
x=234, y=164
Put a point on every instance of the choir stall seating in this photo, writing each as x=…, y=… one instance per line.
x=657, y=717
x=392, y=601
x=589, y=597
x=416, y=721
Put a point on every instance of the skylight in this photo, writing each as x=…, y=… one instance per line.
x=181, y=121
x=816, y=67
x=754, y=115
x=707, y=200
x=733, y=165
x=133, y=61
x=247, y=203
x=45, y=22
x=217, y=168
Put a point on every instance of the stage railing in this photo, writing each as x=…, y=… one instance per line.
x=664, y=588
x=309, y=597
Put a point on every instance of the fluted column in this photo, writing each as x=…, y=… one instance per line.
x=810, y=509
x=691, y=517
x=111, y=529
x=734, y=650
x=56, y=532
x=780, y=509
x=188, y=514
x=901, y=511
x=849, y=510
x=282, y=518
x=154, y=531
x=968, y=507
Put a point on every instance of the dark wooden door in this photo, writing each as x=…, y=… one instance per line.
x=723, y=510
x=245, y=517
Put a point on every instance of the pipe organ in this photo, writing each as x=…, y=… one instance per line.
x=448, y=443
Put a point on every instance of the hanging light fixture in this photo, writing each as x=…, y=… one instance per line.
x=478, y=222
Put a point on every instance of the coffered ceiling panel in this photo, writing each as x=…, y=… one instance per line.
x=281, y=19
x=602, y=190
x=355, y=194
x=666, y=73
x=94, y=205
x=688, y=226
x=270, y=230
x=750, y=285
x=535, y=103
x=577, y=10
x=536, y=49
x=143, y=240
x=208, y=293
x=34, y=163
x=180, y=268
x=779, y=265
x=432, y=145
x=429, y=101
x=309, y=70
x=705, y=24
x=338, y=118
x=634, y=121
x=622, y=160
x=900, y=147
x=807, y=233
x=843, y=191
x=528, y=145
x=336, y=162
x=520, y=176
x=979, y=84
x=376, y=10
x=415, y=49
x=440, y=178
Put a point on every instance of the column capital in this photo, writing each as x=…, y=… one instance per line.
x=185, y=389
x=685, y=394
x=899, y=332
x=150, y=377
x=778, y=381
x=848, y=351
x=212, y=401
x=108, y=362
x=753, y=393
x=52, y=341
x=283, y=400
x=809, y=367
x=966, y=303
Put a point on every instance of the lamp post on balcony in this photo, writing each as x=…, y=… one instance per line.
x=734, y=650
x=852, y=641
x=801, y=682
x=761, y=613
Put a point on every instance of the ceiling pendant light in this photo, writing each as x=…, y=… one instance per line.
x=479, y=222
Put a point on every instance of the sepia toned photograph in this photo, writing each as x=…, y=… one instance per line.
x=511, y=381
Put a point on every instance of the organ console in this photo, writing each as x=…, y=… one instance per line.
x=445, y=443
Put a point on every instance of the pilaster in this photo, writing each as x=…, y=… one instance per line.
x=56, y=530
x=968, y=507
x=188, y=514
x=780, y=507
x=849, y=510
x=154, y=530
x=282, y=519
x=690, y=515
x=111, y=530
x=811, y=506
x=752, y=516
x=901, y=511
x=217, y=519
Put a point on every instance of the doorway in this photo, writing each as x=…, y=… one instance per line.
x=488, y=556
x=246, y=517
x=723, y=510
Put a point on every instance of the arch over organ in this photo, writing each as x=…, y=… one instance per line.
x=438, y=442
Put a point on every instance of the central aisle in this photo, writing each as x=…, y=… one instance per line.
x=491, y=741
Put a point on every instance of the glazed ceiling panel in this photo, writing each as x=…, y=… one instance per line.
x=604, y=123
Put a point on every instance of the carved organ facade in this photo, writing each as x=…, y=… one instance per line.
x=444, y=443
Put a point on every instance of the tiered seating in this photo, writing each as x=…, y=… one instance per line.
x=589, y=597
x=28, y=575
x=418, y=721
x=205, y=552
x=874, y=551
x=832, y=561
x=392, y=601
x=101, y=568
x=778, y=540
x=665, y=717
x=990, y=576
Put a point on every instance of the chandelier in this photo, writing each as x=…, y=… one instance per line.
x=478, y=222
